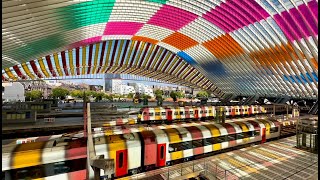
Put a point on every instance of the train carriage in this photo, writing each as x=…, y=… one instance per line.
x=137, y=151
x=46, y=160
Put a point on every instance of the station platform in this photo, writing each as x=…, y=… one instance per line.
x=273, y=160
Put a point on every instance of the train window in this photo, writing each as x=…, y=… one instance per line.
x=201, y=111
x=255, y=109
x=175, y=113
x=206, y=142
x=187, y=112
x=240, y=136
x=174, y=147
x=231, y=137
x=256, y=133
x=161, y=152
x=197, y=143
x=210, y=141
x=36, y=172
x=221, y=139
x=246, y=134
x=150, y=114
x=163, y=113
x=205, y=111
x=157, y=113
x=210, y=111
x=274, y=130
x=120, y=160
x=186, y=145
x=237, y=110
x=181, y=112
x=191, y=112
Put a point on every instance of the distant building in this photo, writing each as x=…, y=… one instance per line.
x=110, y=80
x=42, y=86
x=95, y=88
x=13, y=92
x=125, y=89
x=143, y=89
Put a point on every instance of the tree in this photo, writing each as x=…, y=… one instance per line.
x=202, y=94
x=106, y=96
x=33, y=95
x=77, y=93
x=145, y=96
x=130, y=95
x=60, y=93
x=99, y=96
x=158, y=92
x=180, y=94
x=173, y=95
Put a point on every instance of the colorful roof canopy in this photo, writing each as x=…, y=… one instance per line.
x=247, y=47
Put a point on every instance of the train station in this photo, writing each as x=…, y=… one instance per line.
x=160, y=89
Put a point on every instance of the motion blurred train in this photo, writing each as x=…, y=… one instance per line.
x=167, y=114
x=133, y=152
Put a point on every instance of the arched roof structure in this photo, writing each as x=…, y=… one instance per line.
x=247, y=47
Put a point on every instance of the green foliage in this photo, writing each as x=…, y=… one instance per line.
x=106, y=96
x=176, y=94
x=202, y=94
x=60, y=93
x=130, y=95
x=173, y=95
x=99, y=96
x=180, y=94
x=145, y=96
x=158, y=92
x=33, y=95
x=77, y=93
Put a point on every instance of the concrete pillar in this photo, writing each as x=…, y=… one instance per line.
x=274, y=109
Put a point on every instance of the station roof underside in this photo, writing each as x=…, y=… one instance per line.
x=263, y=47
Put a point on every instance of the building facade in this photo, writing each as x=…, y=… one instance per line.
x=13, y=92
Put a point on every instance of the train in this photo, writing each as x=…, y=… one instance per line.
x=133, y=152
x=168, y=114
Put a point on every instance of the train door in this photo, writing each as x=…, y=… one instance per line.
x=233, y=111
x=263, y=135
x=196, y=113
x=161, y=155
x=249, y=110
x=121, y=163
x=169, y=115
x=145, y=114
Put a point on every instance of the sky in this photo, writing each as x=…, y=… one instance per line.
x=101, y=81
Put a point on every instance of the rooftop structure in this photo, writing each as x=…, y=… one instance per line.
x=269, y=50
